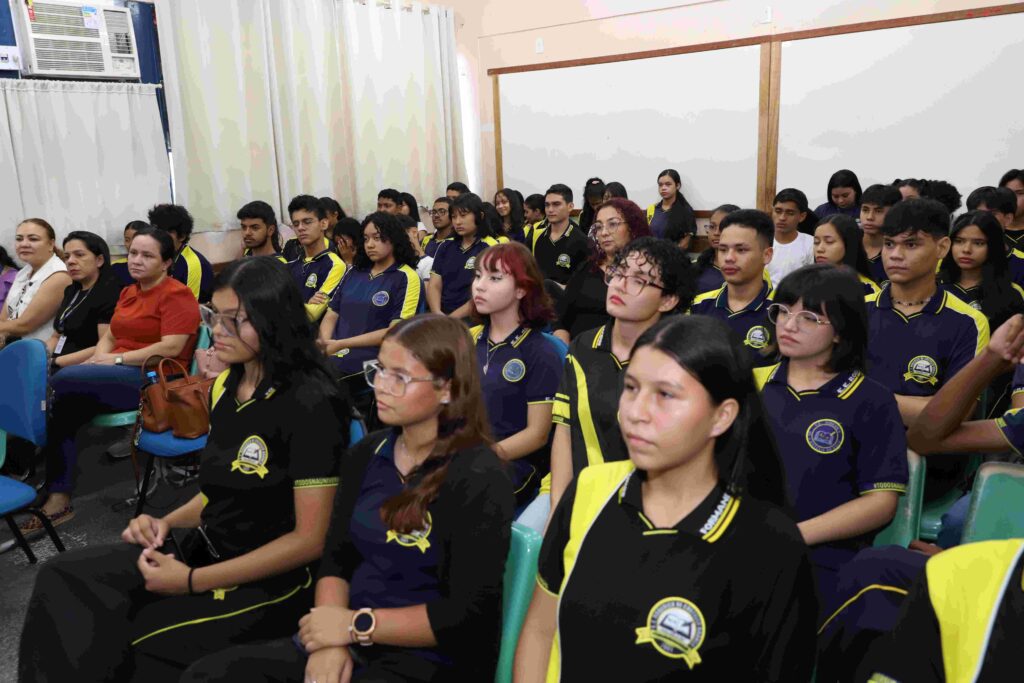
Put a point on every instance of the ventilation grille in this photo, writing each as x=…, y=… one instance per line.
x=61, y=20
x=119, y=33
x=68, y=55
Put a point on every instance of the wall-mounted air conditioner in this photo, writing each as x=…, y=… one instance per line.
x=74, y=40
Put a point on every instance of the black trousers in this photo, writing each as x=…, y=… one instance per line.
x=280, y=661
x=90, y=618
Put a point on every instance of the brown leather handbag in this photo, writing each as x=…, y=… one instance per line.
x=180, y=405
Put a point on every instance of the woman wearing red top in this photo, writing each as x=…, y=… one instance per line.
x=155, y=316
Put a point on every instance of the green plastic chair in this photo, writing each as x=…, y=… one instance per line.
x=931, y=512
x=996, y=510
x=520, y=574
x=127, y=418
x=905, y=526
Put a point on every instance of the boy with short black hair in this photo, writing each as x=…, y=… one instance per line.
x=318, y=270
x=791, y=249
x=874, y=204
x=744, y=249
x=1013, y=180
x=388, y=200
x=441, y=217
x=456, y=190
x=558, y=244
x=190, y=267
x=259, y=230
x=1001, y=202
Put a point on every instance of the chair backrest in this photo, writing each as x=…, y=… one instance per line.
x=356, y=432
x=204, y=339
x=23, y=391
x=996, y=510
x=906, y=525
x=560, y=346
x=520, y=575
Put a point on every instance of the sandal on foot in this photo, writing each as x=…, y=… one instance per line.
x=34, y=526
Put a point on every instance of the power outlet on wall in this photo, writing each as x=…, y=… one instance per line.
x=766, y=15
x=538, y=45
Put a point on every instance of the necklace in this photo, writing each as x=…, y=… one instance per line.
x=490, y=353
x=912, y=304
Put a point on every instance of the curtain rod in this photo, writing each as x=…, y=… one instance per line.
x=387, y=4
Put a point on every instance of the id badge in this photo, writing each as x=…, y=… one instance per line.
x=60, y=344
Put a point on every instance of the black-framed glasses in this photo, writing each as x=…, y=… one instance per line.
x=779, y=314
x=632, y=284
x=231, y=323
x=389, y=381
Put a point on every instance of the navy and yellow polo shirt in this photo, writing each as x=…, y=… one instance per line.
x=877, y=270
x=321, y=273
x=278, y=255
x=366, y=303
x=972, y=295
x=558, y=260
x=293, y=249
x=915, y=355
x=193, y=270
x=726, y=594
x=520, y=371
x=431, y=244
x=258, y=453
x=710, y=278
x=119, y=267
x=870, y=288
x=587, y=401
x=751, y=323
x=456, y=264
x=840, y=441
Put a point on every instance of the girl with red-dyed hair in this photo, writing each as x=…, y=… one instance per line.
x=520, y=369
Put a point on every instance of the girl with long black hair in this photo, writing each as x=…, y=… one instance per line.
x=231, y=565
x=709, y=276
x=593, y=195
x=839, y=242
x=648, y=561
x=513, y=218
x=672, y=217
x=842, y=195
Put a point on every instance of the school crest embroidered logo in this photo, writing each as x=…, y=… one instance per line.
x=757, y=337
x=563, y=261
x=417, y=539
x=252, y=457
x=923, y=370
x=514, y=370
x=676, y=629
x=470, y=263
x=311, y=281
x=381, y=298
x=825, y=436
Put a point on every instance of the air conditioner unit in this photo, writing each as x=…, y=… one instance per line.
x=72, y=40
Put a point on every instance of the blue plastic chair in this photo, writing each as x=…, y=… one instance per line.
x=23, y=413
x=560, y=346
x=128, y=417
x=906, y=524
x=996, y=510
x=520, y=575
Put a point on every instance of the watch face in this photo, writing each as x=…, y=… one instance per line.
x=363, y=622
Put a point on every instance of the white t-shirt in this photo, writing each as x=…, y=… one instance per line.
x=24, y=290
x=788, y=257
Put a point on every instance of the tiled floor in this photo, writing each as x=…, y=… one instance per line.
x=102, y=483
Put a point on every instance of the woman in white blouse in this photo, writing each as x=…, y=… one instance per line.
x=38, y=289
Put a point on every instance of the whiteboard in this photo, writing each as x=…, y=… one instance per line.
x=628, y=121
x=939, y=101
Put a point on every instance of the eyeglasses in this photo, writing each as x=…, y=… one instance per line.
x=610, y=226
x=438, y=212
x=230, y=323
x=806, y=321
x=632, y=284
x=308, y=222
x=389, y=381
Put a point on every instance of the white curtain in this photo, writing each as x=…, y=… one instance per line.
x=83, y=156
x=271, y=99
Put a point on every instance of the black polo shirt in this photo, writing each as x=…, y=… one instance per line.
x=725, y=595
x=558, y=260
x=80, y=313
x=751, y=323
x=258, y=453
x=456, y=563
x=587, y=401
x=582, y=307
x=915, y=355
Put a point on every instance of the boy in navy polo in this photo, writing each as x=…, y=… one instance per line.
x=190, y=267
x=441, y=217
x=318, y=270
x=874, y=204
x=744, y=249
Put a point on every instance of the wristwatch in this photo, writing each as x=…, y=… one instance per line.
x=118, y=360
x=362, y=626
